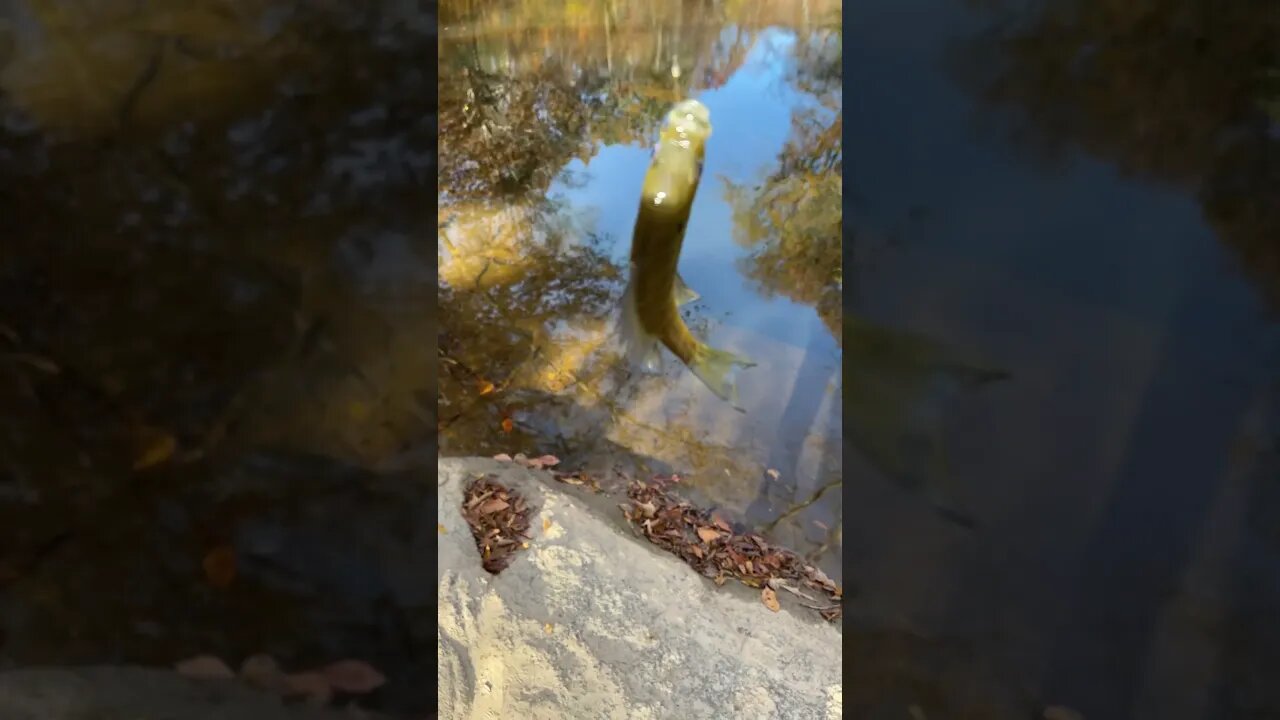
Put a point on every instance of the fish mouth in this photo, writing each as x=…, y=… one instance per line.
x=690, y=117
x=690, y=110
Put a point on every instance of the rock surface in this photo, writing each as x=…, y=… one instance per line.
x=590, y=621
x=117, y=693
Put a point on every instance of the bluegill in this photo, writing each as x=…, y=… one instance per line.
x=650, y=307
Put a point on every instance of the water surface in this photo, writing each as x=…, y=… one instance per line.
x=549, y=113
x=213, y=274
x=1094, y=194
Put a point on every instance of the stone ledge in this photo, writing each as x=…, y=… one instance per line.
x=590, y=621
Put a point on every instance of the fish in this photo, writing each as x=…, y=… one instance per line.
x=655, y=291
x=898, y=388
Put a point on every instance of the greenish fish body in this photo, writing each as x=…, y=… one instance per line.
x=650, y=306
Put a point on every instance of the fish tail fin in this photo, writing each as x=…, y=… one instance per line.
x=639, y=347
x=714, y=368
x=684, y=294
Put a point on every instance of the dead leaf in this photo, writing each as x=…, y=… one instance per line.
x=502, y=457
x=204, y=667
x=721, y=523
x=772, y=473
x=485, y=386
x=1061, y=712
x=776, y=584
x=507, y=425
x=312, y=685
x=545, y=461
x=353, y=676
x=821, y=577
x=770, y=599
x=477, y=499
x=492, y=505
x=708, y=534
x=220, y=566
x=262, y=670
x=154, y=447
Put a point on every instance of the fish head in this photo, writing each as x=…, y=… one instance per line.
x=676, y=166
x=688, y=120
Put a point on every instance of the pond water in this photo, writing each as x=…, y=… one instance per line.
x=548, y=116
x=1093, y=202
x=214, y=284
x=1048, y=352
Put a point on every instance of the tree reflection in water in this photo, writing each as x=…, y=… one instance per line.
x=528, y=287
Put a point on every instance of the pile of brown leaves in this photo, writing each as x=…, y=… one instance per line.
x=546, y=462
x=709, y=545
x=318, y=686
x=499, y=520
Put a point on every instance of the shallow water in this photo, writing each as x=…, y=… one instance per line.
x=212, y=280
x=1063, y=281
x=548, y=114
x=1092, y=205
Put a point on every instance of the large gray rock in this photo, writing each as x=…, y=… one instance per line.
x=134, y=693
x=592, y=622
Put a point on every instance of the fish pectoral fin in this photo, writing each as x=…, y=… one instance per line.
x=683, y=293
x=643, y=352
x=651, y=360
x=640, y=348
x=715, y=369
